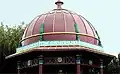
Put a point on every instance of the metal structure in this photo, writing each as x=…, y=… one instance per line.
x=60, y=41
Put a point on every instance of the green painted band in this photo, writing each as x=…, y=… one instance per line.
x=56, y=43
x=40, y=61
x=41, y=32
x=77, y=31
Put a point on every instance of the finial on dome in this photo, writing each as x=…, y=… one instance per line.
x=59, y=3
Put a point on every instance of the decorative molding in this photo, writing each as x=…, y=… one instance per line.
x=59, y=60
x=29, y=63
x=54, y=33
x=57, y=43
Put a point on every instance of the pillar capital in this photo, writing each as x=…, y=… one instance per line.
x=101, y=63
x=78, y=58
x=18, y=67
x=18, y=64
x=101, y=59
x=101, y=66
x=78, y=55
x=41, y=56
x=40, y=59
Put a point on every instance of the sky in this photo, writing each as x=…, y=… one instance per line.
x=103, y=14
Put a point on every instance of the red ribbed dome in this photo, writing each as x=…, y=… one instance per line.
x=60, y=24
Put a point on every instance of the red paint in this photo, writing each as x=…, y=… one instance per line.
x=60, y=20
x=18, y=71
x=40, y=69
x=101, y=71
x=78, y=69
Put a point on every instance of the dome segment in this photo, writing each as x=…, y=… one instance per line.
x=60, y=24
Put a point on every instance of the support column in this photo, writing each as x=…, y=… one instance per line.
x=18, y=67
x=78, y=64
x=101, y=66
x=41, y=64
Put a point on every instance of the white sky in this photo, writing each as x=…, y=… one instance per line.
x=103, y=14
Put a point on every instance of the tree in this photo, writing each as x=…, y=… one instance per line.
x=9, y=41
x=119, y=58
x=114, y=66
x=119, y=62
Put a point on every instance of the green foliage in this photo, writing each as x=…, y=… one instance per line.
x=119, y=58
x=9, y=41
x=9, y=38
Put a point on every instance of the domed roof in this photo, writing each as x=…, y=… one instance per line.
x=60, y=24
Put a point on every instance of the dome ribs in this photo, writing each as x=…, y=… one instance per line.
x=24, y=35
x=89, y=31
x=72, y=17
x=75, y=26
x=92, y=29
x=98, y=42
x=25, y=32
x=45, y=16
x=80, y=26
x=88, y=28
x=29, y=27
x=29, y=31
x=95, y=33
x=86, y=38
x=54, y=20
x=48, y=23
x=33, y=24
x=70, y=21
x=36, y=23
x=60, y=24
x=84, y=24
x=64, y=16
